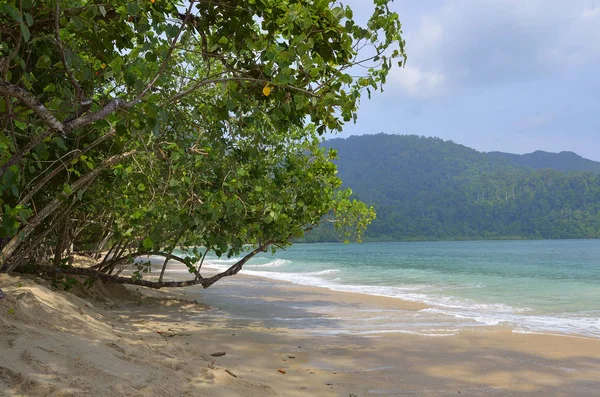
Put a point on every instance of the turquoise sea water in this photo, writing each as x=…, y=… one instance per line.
x=548, y=286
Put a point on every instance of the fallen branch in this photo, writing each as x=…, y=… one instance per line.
x=205, y=282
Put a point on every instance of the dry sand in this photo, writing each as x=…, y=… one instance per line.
x=117, y=341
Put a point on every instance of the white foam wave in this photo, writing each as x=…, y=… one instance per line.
x=218, y=261
x=311, y=278
x=335, y=332
x=527, y=323
x=443, y=309
x=323, y=272
x=275, y=263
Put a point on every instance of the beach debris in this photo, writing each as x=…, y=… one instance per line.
x=231, y=373
x=281, y=371
x=218, y=354
x=170, y=334
x=291, y=356
x=2, y=294
x=312, y=373
x=161, y=333
x=211, y=365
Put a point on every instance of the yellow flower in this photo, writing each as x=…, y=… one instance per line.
x=267, y=90
x=103, y=65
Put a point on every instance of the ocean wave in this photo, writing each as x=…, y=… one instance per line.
x=524, y=322
x=447, y=310
x=323, y=272
x=335, y=332
x=469, y=313
x=218, y=261
x=310, y=278
x=275, y=263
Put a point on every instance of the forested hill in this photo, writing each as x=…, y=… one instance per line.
x=427, y=188
x=563, y=161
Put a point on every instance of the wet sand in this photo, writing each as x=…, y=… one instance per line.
x=474, y=361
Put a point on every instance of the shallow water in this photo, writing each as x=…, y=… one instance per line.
x=528, y=286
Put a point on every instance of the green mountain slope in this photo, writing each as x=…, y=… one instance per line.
x=563, y=161
x=427, y=188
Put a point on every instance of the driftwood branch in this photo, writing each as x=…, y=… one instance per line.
x=234, y=269
x=95, y=274
x=205, y=282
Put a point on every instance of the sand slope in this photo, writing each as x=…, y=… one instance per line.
x=53, y=343
x=124, y=341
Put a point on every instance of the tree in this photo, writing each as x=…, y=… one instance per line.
x=149, y=125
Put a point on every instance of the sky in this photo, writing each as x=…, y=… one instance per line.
x=508, y=75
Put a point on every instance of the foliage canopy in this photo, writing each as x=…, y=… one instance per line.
x=150, y=125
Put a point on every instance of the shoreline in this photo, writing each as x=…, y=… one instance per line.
x=401, y=303
x=138, y=342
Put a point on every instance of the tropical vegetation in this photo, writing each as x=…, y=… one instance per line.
x=431, y=189
x=144, y=126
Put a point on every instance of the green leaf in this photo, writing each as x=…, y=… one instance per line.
x=150, y=56
x=58, y=141
x=25, y=31
x=12, y=11
x=148, y=243
x=338, y=12
x=20, y=125
x=137, y=215
x=29, y=19
x=121, y=129
x=141, y=187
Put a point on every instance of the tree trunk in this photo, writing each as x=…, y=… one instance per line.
x=32, y=223
x=62, y=236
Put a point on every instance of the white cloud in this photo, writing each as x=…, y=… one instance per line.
x=590, y=13
x=467, y=44
x=418, y=83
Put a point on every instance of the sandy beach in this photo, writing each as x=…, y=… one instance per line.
x=277, y=339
